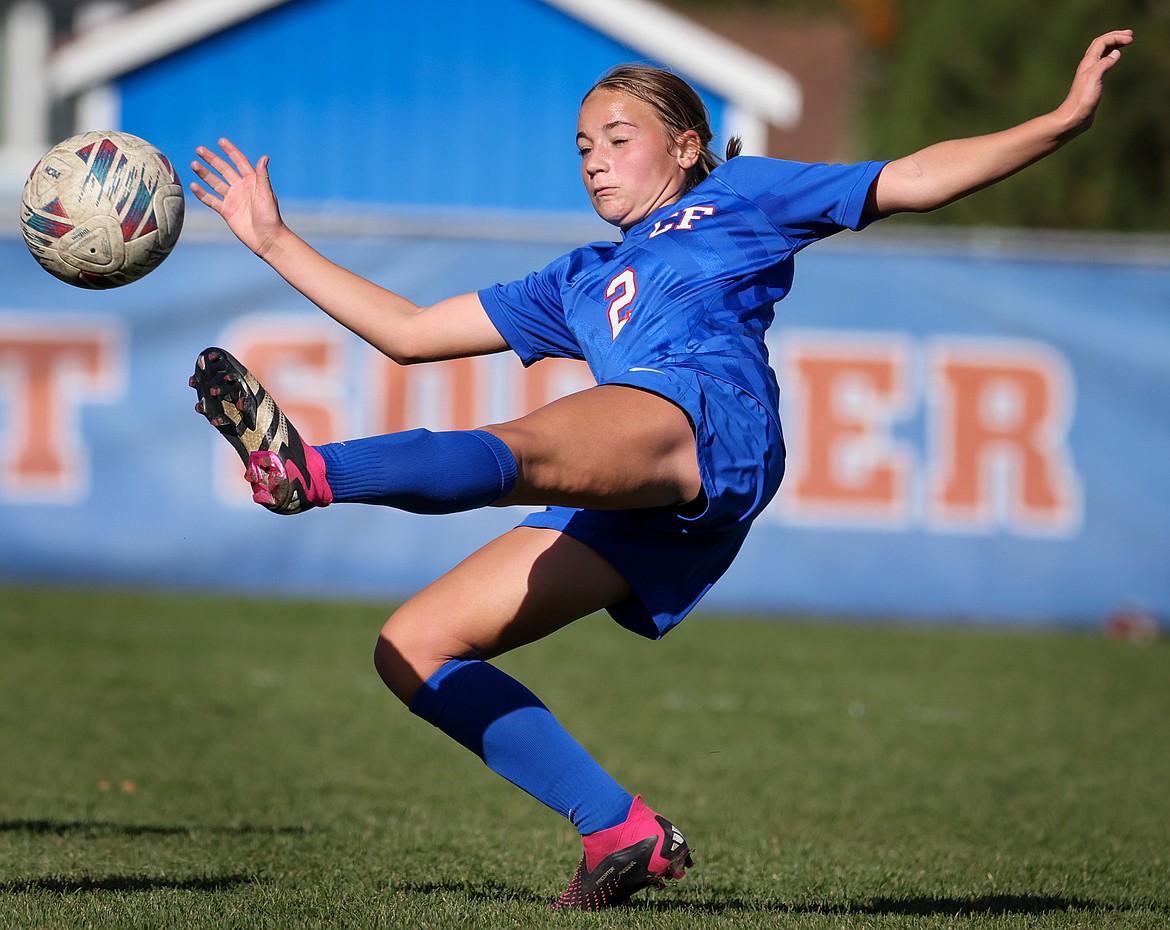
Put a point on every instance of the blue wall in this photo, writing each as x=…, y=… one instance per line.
x=459, y=103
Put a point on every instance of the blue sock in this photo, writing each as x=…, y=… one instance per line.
x=421, y=471
x=517, y=737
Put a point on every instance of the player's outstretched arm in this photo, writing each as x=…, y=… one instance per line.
x=242, y=194
x=948, y=171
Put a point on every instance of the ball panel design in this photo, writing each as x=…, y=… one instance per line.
x=102, y=209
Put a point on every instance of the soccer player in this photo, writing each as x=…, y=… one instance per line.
x=652, y=477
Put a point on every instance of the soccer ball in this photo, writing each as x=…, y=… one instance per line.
x=102, y=209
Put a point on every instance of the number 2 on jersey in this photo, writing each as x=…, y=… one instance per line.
x=622, y=289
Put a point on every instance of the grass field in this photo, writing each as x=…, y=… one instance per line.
x=210, y=762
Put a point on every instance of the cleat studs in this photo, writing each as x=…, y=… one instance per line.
x=199, y=407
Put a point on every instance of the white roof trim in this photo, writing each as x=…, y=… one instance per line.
x=748, y=80
x=120, y=45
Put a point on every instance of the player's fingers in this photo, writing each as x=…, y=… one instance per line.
x=262, y=177
x=1105, y=45
x=239, y=159
x=1103, y=54
x=210, y=178
x=213, y=159
x=206, y=198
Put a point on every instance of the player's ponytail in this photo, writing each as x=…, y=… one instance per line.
x=678, y=106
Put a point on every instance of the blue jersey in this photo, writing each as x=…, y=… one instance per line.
x=691, y=286
x=680, y=307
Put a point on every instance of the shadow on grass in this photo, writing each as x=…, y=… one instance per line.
x=128, y=883
x=98, y=828
x=133, y=883
x=476, y=891
x=1002, y=905
x=990, y=905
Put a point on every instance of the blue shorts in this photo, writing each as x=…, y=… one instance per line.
x=671, y=556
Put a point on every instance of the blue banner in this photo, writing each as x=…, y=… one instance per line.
x=972, y=436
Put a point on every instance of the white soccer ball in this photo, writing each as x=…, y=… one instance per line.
x=102, y=209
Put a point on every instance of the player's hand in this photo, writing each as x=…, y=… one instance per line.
x=1080, y=106
x=240, y=193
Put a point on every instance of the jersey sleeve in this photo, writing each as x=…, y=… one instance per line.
x=806, y=202
x=529, y=313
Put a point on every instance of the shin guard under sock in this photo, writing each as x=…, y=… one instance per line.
x=421, y=471
x=517, y=737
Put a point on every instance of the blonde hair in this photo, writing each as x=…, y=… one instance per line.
x=678, y=106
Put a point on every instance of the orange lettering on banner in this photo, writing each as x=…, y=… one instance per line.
x=46, y=374
x=997, y=418
x=844, y=395
x=999, y=437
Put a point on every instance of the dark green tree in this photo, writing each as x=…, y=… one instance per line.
x=938, y=69
x=964, y=69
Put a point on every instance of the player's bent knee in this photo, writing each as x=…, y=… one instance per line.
x=394, y=670
x=409, y=650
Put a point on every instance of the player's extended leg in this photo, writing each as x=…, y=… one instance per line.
x=609, y=446
x=432, y=654
x=418, y=470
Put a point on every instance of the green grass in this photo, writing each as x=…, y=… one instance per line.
x=212, y=762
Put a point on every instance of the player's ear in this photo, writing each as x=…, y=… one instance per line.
x=687, y=148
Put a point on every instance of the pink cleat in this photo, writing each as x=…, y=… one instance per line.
x=287, y=476
x=646, y=849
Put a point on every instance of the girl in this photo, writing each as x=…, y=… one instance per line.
x=651, y=478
